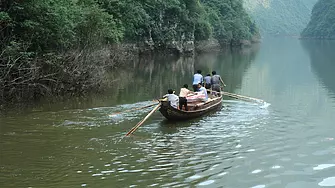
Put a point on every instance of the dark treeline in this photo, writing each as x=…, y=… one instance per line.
x=322, y=24
x=62, y=46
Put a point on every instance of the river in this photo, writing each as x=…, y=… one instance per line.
x=291, y=143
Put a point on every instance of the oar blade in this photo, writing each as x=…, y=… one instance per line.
x=142, y=121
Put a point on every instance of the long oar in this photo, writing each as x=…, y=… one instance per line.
x=242, y=97
x=141, y=122
x=139, y=108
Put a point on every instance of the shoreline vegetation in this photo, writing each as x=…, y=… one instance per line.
x=61, y=47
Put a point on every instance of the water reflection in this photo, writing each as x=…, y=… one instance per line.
x=322, y=57
x=152, y=77
x=231, y=65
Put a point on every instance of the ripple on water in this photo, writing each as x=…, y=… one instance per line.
x=256, y=171
x=97, y=174
x=251, y=150
x=323, y=166
x=223, y=173
x=207, y=182
x=327, y=182
x=196, y=150
x=276, y=167
x=194, y=177
x=258, y=186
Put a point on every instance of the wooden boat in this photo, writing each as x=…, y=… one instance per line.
x=195, y=109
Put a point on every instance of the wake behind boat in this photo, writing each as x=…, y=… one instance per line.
x=191, y=104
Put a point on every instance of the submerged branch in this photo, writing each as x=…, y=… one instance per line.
x=26, y=77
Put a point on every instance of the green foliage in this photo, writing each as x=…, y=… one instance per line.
x=61, y=24
x=322, y=24
x=4, y=18
x=202, y=31
x=96, y=27
x=229, y=21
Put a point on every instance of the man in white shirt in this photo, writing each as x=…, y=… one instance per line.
x=197, y=78
x=174, y=99
x=203, y=90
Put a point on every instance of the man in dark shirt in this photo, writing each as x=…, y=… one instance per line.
x=207, y=81
x=215, y=81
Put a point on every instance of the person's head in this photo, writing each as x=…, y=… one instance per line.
x=214, y=72
x=199, y=71
x=185, y=86
x=170, y=91
x=199, y=85
x=208, y=74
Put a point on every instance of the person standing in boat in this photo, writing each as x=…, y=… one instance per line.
x=216, y=80
x=207, y=80
x=197, y=78
x=184, y=91
x=203, y=90
x=172, y=98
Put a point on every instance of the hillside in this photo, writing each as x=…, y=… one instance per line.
x=322, y=24
x=280, y=17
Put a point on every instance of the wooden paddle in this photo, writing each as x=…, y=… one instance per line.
x=139, y=108
x=141, y=122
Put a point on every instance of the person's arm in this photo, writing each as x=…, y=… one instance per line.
x=222, y=81
x=202, y=91
x=189, y=92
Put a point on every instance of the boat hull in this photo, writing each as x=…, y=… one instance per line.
x=171, y=113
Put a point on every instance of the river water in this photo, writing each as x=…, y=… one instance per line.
x=290, y=143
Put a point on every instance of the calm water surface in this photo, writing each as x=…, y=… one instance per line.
x=291, y=143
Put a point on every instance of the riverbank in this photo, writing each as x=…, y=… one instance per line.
x=316, y=38
x=187, y=48
x=30, y=77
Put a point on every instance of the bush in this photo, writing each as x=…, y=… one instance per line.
x=202, y=30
